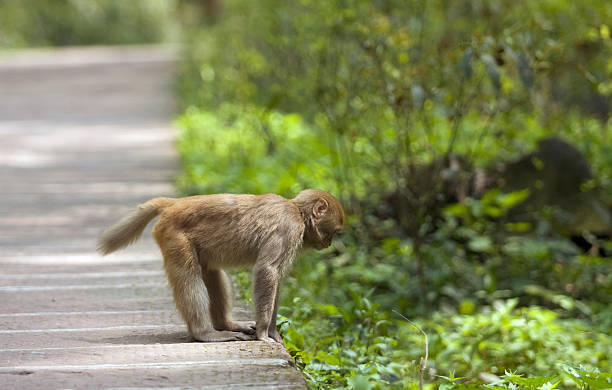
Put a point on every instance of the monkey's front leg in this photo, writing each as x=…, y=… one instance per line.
x=266, y=279
x=272, y=331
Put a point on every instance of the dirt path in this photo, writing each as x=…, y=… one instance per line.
x=85, y=135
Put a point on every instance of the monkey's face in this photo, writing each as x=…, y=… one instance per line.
x=325, y=238
x=328, y=218
x=327, y=229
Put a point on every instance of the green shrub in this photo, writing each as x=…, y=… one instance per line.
x=250, y=149
x=335, y=344
x=529, y=340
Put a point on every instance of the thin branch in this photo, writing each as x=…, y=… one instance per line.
x=423, y=363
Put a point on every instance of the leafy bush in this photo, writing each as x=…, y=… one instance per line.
x=529, y=340
x=250, y=149
x=578, y=375
x=336, y=344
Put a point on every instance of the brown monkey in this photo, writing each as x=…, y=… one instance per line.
x=199, y=236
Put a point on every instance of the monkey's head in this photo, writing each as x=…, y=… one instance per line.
x=323, y=217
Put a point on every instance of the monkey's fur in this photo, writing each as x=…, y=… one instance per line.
x=199, y=236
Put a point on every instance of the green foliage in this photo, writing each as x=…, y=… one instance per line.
x=392, y=106
x=77, y=22
x=391, y=80
x=513, y=381
x=532, y=340
x=353, y=346
x=338, y=343
x=250, y=149
x=588, y=378
x=578, y=376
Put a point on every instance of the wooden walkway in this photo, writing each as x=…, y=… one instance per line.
x=85, y=136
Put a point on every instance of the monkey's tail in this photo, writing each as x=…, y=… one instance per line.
x=130, y=227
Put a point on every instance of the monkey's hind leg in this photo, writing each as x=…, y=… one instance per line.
x=190, y=295
x=220, y=292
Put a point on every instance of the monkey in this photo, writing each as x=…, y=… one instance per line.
x=200, y=236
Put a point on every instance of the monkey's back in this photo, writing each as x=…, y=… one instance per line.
x=230, y=229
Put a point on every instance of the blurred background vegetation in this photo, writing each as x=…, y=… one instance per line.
x=79, y=22
x=470, y=143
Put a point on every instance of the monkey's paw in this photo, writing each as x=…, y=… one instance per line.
x=276, y=336
x=247, y=327
x=217, y=336
x=266, y=339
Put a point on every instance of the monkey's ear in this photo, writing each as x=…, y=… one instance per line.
x=320, y=208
